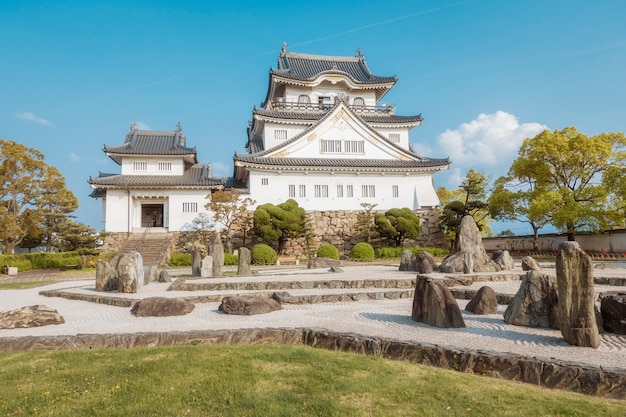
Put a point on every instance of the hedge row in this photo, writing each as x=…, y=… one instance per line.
x=397, y=252
x=45, y=260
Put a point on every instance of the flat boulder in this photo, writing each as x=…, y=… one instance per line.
x=248, y=306
x=613, y=312
x=434, y=304
x=484, y=302
x=32, y=316
x=327, y=263
x=162, y=307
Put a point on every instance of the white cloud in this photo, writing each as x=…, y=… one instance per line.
x=74, y=157
x=142, y=126
x=220, y=168
x=488, y=141
x=31, y=117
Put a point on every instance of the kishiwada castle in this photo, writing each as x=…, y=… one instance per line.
x=322, y=137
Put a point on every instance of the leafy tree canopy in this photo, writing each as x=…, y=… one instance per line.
x=278, y=223
x=398, y=224
x=230, y=209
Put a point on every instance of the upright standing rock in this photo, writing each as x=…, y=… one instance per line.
x=196, y=263
x=434, y=304
x=216, y=250
x=484, y=302
x=407, y=260
x=471, y=256
x=535, y=304
x=576, y=315
x=127, y=275
x=245, y=259
x=530, y=264
x=425, y=263
x=504, y=259
x=206, y=271
x=105, y=276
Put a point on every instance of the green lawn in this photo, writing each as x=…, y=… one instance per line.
x=263, y=381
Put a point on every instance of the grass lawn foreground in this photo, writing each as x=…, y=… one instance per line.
x=263, y=380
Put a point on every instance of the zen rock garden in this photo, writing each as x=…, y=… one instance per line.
x=566, y=302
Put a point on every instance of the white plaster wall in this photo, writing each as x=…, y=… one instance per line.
x=414, y=191
x=329, y=90
x=116, y=212
x=403, y=132
x=153, y=166
x=270, y=128
x=179, y=221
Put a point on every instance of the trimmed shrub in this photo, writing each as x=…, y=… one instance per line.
x=328, y=251
x=362, y=252
x=263, y=254
x=396, y=252
x=230, y=259
x=180, y=259
x=18, y=261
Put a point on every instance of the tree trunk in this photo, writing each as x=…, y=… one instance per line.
x=536, y=239
x=571, y=233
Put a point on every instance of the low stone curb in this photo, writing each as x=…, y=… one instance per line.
x=584, y=379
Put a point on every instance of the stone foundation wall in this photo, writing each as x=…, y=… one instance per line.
x=339, y=228
x=608, y=383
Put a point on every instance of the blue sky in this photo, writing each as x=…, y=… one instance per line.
x=485, y=74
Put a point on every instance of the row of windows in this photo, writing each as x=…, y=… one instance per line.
x=190, y=207
x=349, y=146
x=143, y=166
x=335, y=146
x=321, y=191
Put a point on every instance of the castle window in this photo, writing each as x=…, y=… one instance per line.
x=280, y=134
x=330, y=146
x=302, y=191
x=265, y=181
x=394, y=137
x=140, y=166
x=340, y=191
x=292, y=190
x=321, y=191
x=358, y=102
x=349, y=191
x=190, y=207
x=394, y=191
x=165, y=166
x=368, y=191
x=354, y=146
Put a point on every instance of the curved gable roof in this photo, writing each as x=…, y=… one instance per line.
x=150, y=142
x=307, y=67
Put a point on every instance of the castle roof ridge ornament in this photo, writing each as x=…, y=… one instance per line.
x=284, y=48
x=359, y=52
x=179, y=127
x=133, y=125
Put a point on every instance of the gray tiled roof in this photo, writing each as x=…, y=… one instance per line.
x=420, y=162
x=147, y=142
x=307, y=67
x=369, y=118
x=196, y=176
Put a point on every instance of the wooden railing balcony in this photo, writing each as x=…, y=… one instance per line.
x=294, y=106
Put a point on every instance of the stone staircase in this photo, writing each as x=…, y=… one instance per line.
x=152, y=247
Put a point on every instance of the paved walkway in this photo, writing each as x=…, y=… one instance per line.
x=380, y=318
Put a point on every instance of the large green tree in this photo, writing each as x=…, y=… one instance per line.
x=398, y=225
x=574, y=179
x=55, y=205
x=21, y=187
x=76, y=236
x=276, y=224
x=517, y=198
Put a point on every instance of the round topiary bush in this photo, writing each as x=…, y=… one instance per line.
x=263, y=254
x=362, y=252
x=328, y=251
